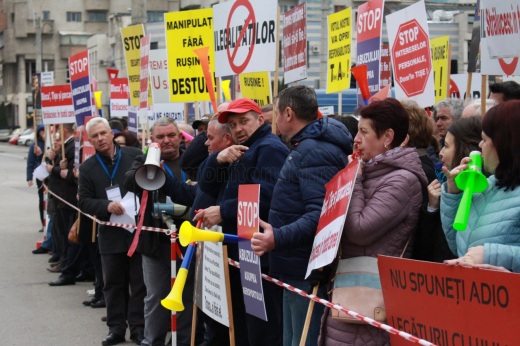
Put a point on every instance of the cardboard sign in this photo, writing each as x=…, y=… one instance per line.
x=80, y=83
x=248, y=219
x=386, y=63
x=450, y=306
x=332, y=219
x=245, y=36
x=257, y=87
x=411, y=55
x=119, y=93
x=57, y=106
x=88, y=148
x=440, y=51
x=338, y=57
x=295, y=44
x=47, y=78
x=459, y=83
x=159, y=76
x=214, y=296
x=132, y=44
x=369, y=27
x=144, y=75
x=132, y=120
x=501, y=23
x=185, y=31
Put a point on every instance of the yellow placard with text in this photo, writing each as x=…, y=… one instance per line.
x=186, y=31
x=132, y=45
x=440, y=52
x=257, y=87
x=338, y=54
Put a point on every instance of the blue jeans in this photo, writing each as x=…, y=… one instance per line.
x=48, y=243
x=294, y=313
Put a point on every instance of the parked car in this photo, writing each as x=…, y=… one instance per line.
x=15, y=133
x=26, y=138
x=4, y=134
x=14, y=139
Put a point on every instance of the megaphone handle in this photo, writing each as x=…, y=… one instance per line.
x=230, y=238
x=461, y=218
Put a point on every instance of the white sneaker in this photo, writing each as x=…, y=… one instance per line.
x=91, y=292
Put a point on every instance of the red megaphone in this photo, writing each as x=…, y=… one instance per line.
x=360, y=73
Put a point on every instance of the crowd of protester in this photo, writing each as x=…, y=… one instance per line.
x=403, y=204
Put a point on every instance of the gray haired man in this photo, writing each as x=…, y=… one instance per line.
x=446, y=112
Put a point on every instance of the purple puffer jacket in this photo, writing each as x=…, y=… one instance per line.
x=382, y=216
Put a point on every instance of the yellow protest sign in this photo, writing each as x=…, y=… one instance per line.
x=440, y=51
x=257, y=87
x=185, y=31
x=338, y=57
x=132, y=45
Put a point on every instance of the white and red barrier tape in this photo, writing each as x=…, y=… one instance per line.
x=298, y=291
x=354, y=314
x=106, y=223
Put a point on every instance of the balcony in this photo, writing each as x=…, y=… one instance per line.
x=47, y=27
x=97, y=5
x=190, y=4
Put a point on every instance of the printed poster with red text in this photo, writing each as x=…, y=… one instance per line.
x=248, y=223
x=332, y=219
x=119, y=94
x=57, y=107
x=295, y=44
x=451, y=306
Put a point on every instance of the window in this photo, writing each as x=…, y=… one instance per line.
x=155, y=16
x=338, y=8
x=97, y=16
x=46, y=15
x=73, y=40
x=154, y=45
x=73, y=16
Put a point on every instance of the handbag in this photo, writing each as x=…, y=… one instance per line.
x=74, y=232
x=357, y=286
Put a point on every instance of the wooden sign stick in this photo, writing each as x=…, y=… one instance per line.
x=228, y=290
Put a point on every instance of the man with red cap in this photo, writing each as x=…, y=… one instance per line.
x=257, y=158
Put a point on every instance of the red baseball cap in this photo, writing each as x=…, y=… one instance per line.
x=239, y=106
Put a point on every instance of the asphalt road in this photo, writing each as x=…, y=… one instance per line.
x=32, y=312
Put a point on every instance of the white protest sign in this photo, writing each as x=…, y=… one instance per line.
x=57, y=106
x=174, y=111
x=214, y=297
x=245, y=36
x=159, y=76
x=47, y=78
x=411, y=56
x=459, y=84
x=500, y=24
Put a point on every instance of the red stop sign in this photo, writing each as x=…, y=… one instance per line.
x=411, y=58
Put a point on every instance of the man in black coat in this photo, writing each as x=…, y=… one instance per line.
x=101, y=176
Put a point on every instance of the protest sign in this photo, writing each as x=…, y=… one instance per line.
x=57, y=107
x=132, y=44
x=174, y=111
x=410, y=54
x=144, y=75
x=386, y=73
x=369, y=26
x=257, y=87
x=451, y=306
x=112, y=73
x=132, y=120
x=250, y=273
x=440, y=52
x=159, y=76
x=88, y=149
x=245, y=36
x=295, y=44
x=326, y=110
x=80, y=84
x=459, y=82
x=338, y=57
x=186, y=31
x=47, y=78
x=119, y=93
x=214, y=297
x=77, y=146
x=501, y=22
x=332, y=218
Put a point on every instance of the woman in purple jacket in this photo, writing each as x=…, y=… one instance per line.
x=384, y=209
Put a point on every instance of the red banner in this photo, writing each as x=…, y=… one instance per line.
x=450, y=306
x=248, y=210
